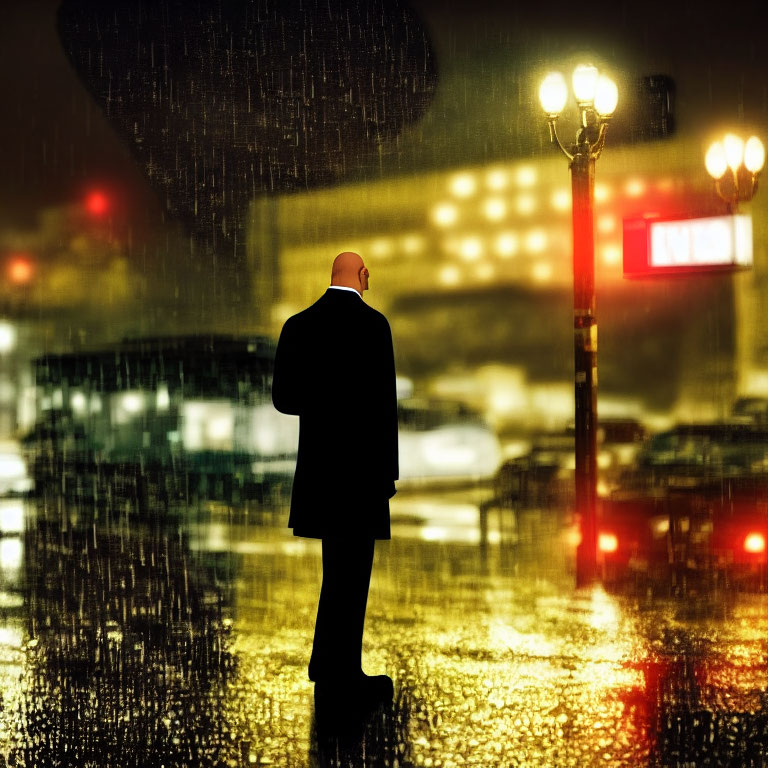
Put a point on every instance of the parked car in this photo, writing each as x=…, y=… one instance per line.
x=685, y=540
x=442, y=441
x=689, y=453
x=751, y=409
x=693, y=514
x=544, y=475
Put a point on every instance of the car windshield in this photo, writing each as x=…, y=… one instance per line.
x=736, y=446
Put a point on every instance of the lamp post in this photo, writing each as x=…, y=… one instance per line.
x=744, y=159
x=596, y=96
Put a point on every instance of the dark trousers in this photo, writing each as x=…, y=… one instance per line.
x=338, y=643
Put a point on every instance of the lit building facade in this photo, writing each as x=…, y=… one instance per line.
x=465, y=219
x=473, y=268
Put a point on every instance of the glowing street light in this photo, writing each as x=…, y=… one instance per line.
x=596, y=96
x=744, y=160
x=20, y=269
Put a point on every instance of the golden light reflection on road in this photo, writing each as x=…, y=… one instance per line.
x=496, y=666
x=498, y=660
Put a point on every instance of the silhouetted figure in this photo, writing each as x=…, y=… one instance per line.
x=335, y=369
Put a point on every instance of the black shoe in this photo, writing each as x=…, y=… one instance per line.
x=368, y=690
x=376, y=688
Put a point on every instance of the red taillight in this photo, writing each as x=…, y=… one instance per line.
x=754, y=542
x=607, y=542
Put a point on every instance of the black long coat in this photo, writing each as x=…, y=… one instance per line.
x=335, y=369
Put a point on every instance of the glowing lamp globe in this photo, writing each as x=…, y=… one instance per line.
x=715, y=160
x=606, y=96
x=754, y=154
x=585, y=83
x=553, y=94
x=755, y=543
x=734, y=150
x=607, y=542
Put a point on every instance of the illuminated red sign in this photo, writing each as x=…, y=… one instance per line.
x=654, y=246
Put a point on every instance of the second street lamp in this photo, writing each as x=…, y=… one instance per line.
x=744, y=159
x=596, y=96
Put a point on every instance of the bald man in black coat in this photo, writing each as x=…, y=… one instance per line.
x=335, y=369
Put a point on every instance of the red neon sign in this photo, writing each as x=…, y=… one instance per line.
x=655, y=246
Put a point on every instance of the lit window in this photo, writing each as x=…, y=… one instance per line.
x=463, y=185
x=606, y=223
x=526, y=176
x=525, y=205
x=496, y=179
x=449, y=275
x=413, y=243
x=607, y=542
x=163, y=398
x=132, y=402
x=602, y=193
x=78, y=402
x=561, y=199
x=634, y=188
x=495, y=208
x=611, y=254
x=471, y=248
x=126, y=406
x=219, y=427
x=380, y=247
x=445, y=214
x=536, y=241
x=506, y=244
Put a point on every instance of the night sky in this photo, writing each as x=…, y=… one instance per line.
x=474, y=101
x=55, y=139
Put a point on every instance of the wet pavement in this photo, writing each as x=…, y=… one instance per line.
x=179, y=636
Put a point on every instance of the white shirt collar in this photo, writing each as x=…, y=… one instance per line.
x=344, y=288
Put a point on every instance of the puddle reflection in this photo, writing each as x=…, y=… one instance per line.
x=181, y=637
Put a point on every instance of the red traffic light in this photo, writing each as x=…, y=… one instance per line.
x=96, y=203
x=20, y=270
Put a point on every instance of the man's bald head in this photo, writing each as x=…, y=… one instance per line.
x=350, y=271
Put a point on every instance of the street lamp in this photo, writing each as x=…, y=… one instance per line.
x=745, y=160
x=596, y=96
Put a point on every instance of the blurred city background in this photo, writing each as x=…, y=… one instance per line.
x=176, y=183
